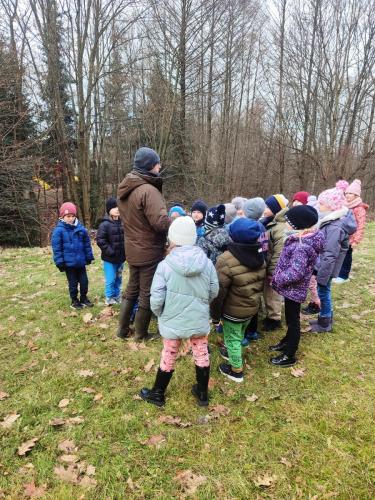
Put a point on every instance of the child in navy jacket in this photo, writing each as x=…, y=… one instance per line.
x=72, y=251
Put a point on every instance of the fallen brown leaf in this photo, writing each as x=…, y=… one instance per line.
x=26, y=447
x=190, y=481
x=211, y=383
x=64, y=403
x=219, y=410
x=69, y=459
x=276, y=374
x=130, y=483
x=88, y=482
x=69, y=475
x=149, y=365
x=154, y=440
x=67, y=446
x=168, y=419
x=137, y=397
x=33, y=491
x=75, y=420
x=9, y=420
x=361, y=376
x=88, y=390
x=90, y=470
x=265, y=480
x=87, y=318
x=86, y=373
x=298, y=372
x=106, y=313
x=252, y=398
x=3, y=395
x=98, y=397
x=57, y=422
x=285, y=461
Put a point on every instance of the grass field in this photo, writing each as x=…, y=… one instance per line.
x=68, y=389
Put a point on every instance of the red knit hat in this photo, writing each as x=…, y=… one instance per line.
x=301, y=196
x=68, y=208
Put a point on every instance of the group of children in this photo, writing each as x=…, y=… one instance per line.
x=221, y=263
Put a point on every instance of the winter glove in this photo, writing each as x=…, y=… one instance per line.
x=61, y=268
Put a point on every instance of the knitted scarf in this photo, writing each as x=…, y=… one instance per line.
x=357, y=201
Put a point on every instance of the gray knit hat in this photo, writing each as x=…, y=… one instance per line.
x=230, y=212
x=238, y=202
x=254, y=208
x=145, y=159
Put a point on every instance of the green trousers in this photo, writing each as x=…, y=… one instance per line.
x=233, y=336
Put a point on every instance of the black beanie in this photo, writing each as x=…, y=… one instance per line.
x=145, y=159
x=302, y=217
x=110, y=203
x=199, y=206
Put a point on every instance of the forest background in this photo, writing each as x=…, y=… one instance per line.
x=239, y=97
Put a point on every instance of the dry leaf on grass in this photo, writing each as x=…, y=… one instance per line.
x=86, y=373
x=69, y=459
x=149, y=365
x=137, y=397
x=9, y=420
x=68, y=475
x=285, y=462
x=90, y=470
x=361, y=376
x=87, y=318
x=57, y=422
x=135, y=346
x=106, y=313
x=64, y=403
x=88, y=482
x=252, y=398
x=33, y=491
x=266, y=480
x=190, y=481
x=298, y=372
x=219, y=410
x=211, y=383
x=307, y=329
x=168, y=419
x=75, y=420
x=154, y=440
x=98, y=397
x=276, y=374
x=130, y=483
x=3, y=395
x=88, y=390
x=26, y=447
x=67, y=446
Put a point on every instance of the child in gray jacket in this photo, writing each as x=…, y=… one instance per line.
x=184, y=284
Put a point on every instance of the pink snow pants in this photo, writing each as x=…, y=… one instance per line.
x=199, y=346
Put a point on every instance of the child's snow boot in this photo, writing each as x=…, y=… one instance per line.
x=155, y=395
x=324, y=324
x=200, y=389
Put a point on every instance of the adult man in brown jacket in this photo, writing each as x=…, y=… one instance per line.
x=146, y=222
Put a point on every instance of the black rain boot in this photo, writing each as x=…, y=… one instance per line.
x=278, y=347
x=124, y=318
x=283, y=360
x=200, y=390
x=271, y=325
x=141, y=324
x=155, y=395
x=311, y=308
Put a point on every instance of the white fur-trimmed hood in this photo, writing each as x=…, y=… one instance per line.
x=336, y=214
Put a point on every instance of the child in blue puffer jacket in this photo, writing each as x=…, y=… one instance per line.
x=184, y=284
x=72, y=251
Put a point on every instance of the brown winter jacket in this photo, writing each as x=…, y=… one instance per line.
x=144, y=215
x=241, y=271
x=275, y=233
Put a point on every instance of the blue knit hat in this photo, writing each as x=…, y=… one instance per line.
x=215, y=216
x=145, y=159
x=178, y=209
x=245, y=230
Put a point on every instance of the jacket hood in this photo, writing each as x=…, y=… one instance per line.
x=249, y=254
x=71, y=227
x=187, y=260
x=331, y=216
x=135, y=179
x=315, y=240
x=349, y=223
x=279, y=217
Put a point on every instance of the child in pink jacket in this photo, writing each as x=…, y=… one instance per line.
x=359, y=209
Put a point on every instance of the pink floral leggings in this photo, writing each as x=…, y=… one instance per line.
x=199, y=346
x=313, y=287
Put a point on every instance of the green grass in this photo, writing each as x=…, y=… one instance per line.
x=321, y=424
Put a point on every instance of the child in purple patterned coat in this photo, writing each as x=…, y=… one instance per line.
x=292, y=275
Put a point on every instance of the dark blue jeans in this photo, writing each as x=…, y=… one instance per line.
x=347, y=264
x=326, y=306
x=77, y=275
